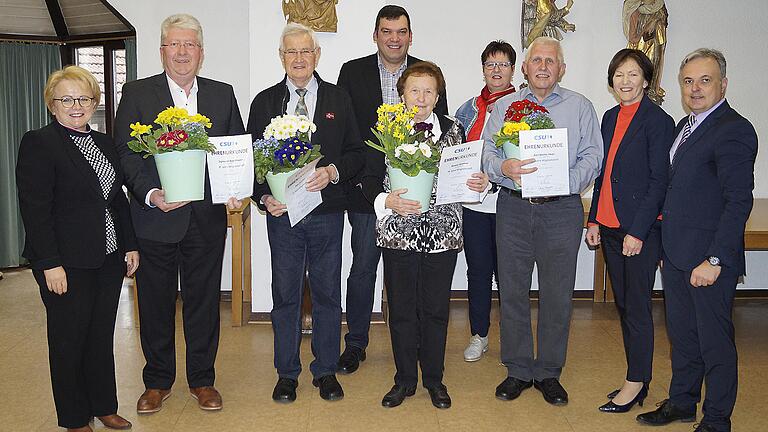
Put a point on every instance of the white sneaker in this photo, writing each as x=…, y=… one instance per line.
x=477, y=346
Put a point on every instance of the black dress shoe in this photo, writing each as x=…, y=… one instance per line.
x=667, y=413
x=611, y=407
x=439, y=396
x=552, y=391
x=330, y=389
x=350, y=359
x=285, y=390
x=511, y=388
x=397, y=395
x=704, y=427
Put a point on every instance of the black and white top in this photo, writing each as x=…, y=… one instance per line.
x=436, y=230
x=106, y=174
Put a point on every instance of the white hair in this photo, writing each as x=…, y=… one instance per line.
x=293, y=28
x=546, y=40
x=706, y=53
x=182, y=21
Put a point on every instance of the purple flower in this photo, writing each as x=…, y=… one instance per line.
x=424, y=127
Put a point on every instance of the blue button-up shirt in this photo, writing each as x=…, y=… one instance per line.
x=567, y=109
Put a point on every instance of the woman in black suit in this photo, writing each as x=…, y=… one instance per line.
x=626, y=202
x=80, y=242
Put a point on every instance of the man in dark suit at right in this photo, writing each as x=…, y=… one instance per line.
x=371, y=81
x=709, y=198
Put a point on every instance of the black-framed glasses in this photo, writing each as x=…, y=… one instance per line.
x=303, y=52
x=186, y=44
x=493, y=65
x=69, y=101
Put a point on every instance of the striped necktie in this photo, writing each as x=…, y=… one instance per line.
x=301, y=107
x=686, y=134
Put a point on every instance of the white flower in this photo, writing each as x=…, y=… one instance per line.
x=425, y=149
x=408, y=148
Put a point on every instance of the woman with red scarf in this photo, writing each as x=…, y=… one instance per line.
x=498, y=65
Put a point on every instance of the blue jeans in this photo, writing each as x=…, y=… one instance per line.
x=361, y=282
x=479, y=230
x=314, y=244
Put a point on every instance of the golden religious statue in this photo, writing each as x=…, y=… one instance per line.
x=645, y=26
x=543, y=18
x=319, y=15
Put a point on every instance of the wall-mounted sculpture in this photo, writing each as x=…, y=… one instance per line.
x=543, y=18
x=319, y=15
x=645, y=26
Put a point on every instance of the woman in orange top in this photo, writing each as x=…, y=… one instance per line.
x=627, y=198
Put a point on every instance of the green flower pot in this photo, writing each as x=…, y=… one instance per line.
x=182, y=175
x=277, y=182
x=419, y=187
x=511, y=150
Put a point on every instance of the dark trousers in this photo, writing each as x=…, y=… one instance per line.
x=361, y=282
x=313, y=244
x=701, y=332
x=418, y=296
x=548, y=235
x=81, y=328
x=198, y=262
x=632, y=280
x=479, y=231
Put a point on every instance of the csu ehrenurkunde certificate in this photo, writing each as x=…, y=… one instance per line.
x=230, y=168
x=549, y=148
x=457, y=164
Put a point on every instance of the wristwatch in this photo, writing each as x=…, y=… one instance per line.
x=713, y=260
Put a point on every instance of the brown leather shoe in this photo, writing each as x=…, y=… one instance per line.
x=151, y=401
x=208, y=398
x=114, y=421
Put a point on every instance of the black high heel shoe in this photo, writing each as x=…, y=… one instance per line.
x=611, y=407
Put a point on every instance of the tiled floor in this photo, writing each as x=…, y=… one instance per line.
x=245, y=377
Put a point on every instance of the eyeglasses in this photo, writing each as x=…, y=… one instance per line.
x=303, y=52
x=186, y=44
x=69, y=101
x=493, y=65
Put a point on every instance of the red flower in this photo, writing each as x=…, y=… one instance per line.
x=167, y=140
x=181, y=135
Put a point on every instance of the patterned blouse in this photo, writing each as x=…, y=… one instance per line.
x=436, y=230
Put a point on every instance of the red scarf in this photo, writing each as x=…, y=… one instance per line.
x=484, y=104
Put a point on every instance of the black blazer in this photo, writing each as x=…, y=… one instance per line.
x=710, y=192
x=640, y=168
x=360, y=78
x=62, y=203
x=141, y=101
x=336, y=133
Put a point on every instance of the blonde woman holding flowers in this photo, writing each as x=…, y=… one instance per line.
x=419, y=249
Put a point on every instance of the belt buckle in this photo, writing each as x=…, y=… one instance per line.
x=536, y=200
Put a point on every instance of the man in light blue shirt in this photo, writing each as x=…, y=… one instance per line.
x=543, y=231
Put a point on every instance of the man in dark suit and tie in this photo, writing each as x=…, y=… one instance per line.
x=180, y=239
x=314, y=243
x=708, y=201
x=371, y=81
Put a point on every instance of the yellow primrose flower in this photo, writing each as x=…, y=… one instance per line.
x=138, y=129
x=199, y=118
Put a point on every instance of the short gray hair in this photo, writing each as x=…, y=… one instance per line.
x=182, y=21
x=545, y=40
x=294, y=28
x=706, y=53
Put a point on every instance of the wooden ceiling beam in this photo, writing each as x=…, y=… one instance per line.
x=57, y=18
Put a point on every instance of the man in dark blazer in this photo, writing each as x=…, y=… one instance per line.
x=371, y=81
x=314, y=243
x=707, y=205
x=179, y=239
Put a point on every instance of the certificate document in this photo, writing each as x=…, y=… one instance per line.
x=230, y=168
x=298, y=199
x=549, y=147
x=457, y=164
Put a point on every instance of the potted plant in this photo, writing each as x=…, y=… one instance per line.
x=285, y=148
x=521, y=115
x=179, y=146
x=411, y=156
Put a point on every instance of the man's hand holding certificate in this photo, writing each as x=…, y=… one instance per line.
x=549, y=150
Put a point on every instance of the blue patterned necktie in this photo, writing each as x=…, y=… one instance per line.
x=687, y=129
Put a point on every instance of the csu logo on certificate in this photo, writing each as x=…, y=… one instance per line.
x=539, y=137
